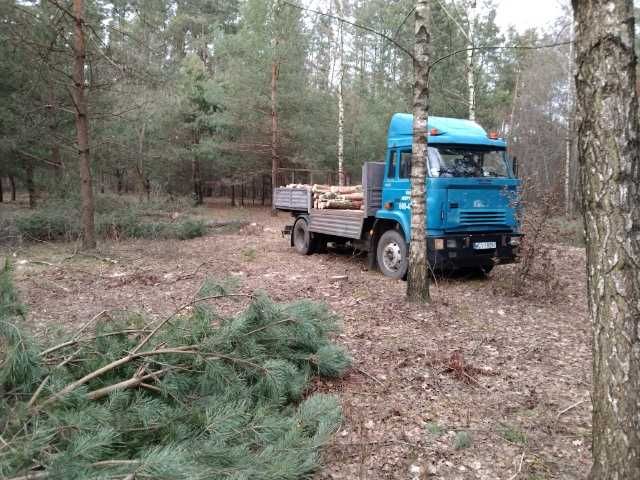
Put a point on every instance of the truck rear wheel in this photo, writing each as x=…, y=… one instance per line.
x=301, y=237
x=392, y=255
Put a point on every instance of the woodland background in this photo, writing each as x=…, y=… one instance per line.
x=179, y=92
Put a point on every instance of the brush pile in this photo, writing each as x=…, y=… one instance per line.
x=191, y=396
x=334, y=197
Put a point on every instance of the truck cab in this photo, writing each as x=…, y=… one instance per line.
x=472, y=197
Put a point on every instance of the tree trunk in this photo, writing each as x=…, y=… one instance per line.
x=607, y=126
x=140, y=163
x=1, y=191
x=197, y=181
x=264, y=190
x=195, y=173
x=233, y=195
x=274, y=97
x=418, y=274
x=31, y=185
x=12, y=184
x=82, y=128
x=340, y=97
x=471, y=83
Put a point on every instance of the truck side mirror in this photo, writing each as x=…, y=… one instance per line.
x=514, y=166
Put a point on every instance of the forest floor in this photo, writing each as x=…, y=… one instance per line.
x=477, y=385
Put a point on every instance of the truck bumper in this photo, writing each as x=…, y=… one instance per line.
x=451, y=252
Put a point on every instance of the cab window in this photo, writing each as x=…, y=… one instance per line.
x=391, y=173
x=405, y=164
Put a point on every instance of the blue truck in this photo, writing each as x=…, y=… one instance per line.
x=472, y=203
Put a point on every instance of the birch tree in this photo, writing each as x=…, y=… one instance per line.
x=340, y=69
x=471, y=81
x=607, y=125
x=418, y=274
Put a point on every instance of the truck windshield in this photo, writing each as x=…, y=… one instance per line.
x=467, y=161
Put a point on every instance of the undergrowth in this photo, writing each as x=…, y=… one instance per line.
x=205, y=396
x=115, y=219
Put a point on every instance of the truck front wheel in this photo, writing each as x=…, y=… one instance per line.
x=392, y=254
x=301, y=237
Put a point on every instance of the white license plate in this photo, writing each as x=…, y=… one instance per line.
x=484, y=245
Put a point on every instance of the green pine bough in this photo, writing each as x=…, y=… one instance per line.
x=195, y=396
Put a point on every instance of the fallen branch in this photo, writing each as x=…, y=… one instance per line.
x=570, y=407
x=515, y=475
x=132, y=382
x=69, y=343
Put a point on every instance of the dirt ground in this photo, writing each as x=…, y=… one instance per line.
x=476, y=385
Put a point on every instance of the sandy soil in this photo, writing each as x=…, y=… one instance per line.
x=476, y=385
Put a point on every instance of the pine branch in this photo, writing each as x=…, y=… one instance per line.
x=181, y=308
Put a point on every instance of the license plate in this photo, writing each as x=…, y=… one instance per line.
x=484, y=245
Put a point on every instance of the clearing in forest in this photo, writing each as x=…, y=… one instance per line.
x=479, y=384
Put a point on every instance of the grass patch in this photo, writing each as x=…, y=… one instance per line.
x=512, y=434
x=433, y=429
x=249, y=254
x=462, y=440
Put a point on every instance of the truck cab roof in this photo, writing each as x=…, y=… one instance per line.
x=449, y=131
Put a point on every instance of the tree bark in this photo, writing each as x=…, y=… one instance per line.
x=140, y=163
x=30, y=183
x=82, y=127
x=1, y=191
x=195, y=172
x=340, y=69
x=274, y=98
x=418, y=274
x=607, y=125
x=12, y=184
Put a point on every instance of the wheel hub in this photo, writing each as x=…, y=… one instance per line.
x=391, y=256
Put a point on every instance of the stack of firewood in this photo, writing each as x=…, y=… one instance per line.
x=341, y=198
x=333, y=197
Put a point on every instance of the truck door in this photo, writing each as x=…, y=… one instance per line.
x=392, y=193
x=397, y=184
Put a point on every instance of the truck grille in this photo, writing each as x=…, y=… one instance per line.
x=482, y=217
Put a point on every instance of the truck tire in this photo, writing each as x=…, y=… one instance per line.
x=392, y=254
x=301, y=237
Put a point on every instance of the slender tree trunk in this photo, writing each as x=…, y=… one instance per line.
x=264, y=190
x=275, y=66
x=31, y=185
x=195, y=173
x=418, y=275
x=471, y=82
x=608, y=152
x=1, y=191
x=567, y=140
x=233, y=195
x=12, y=184
x=140, y=162
x=82, y=128
x=340, y=69
x=56, y=159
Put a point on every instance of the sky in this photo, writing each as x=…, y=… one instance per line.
x=524, y=14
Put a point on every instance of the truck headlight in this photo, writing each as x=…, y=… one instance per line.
x=438, y=244
x=514, y=241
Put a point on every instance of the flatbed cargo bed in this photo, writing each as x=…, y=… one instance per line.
x=335, y=222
